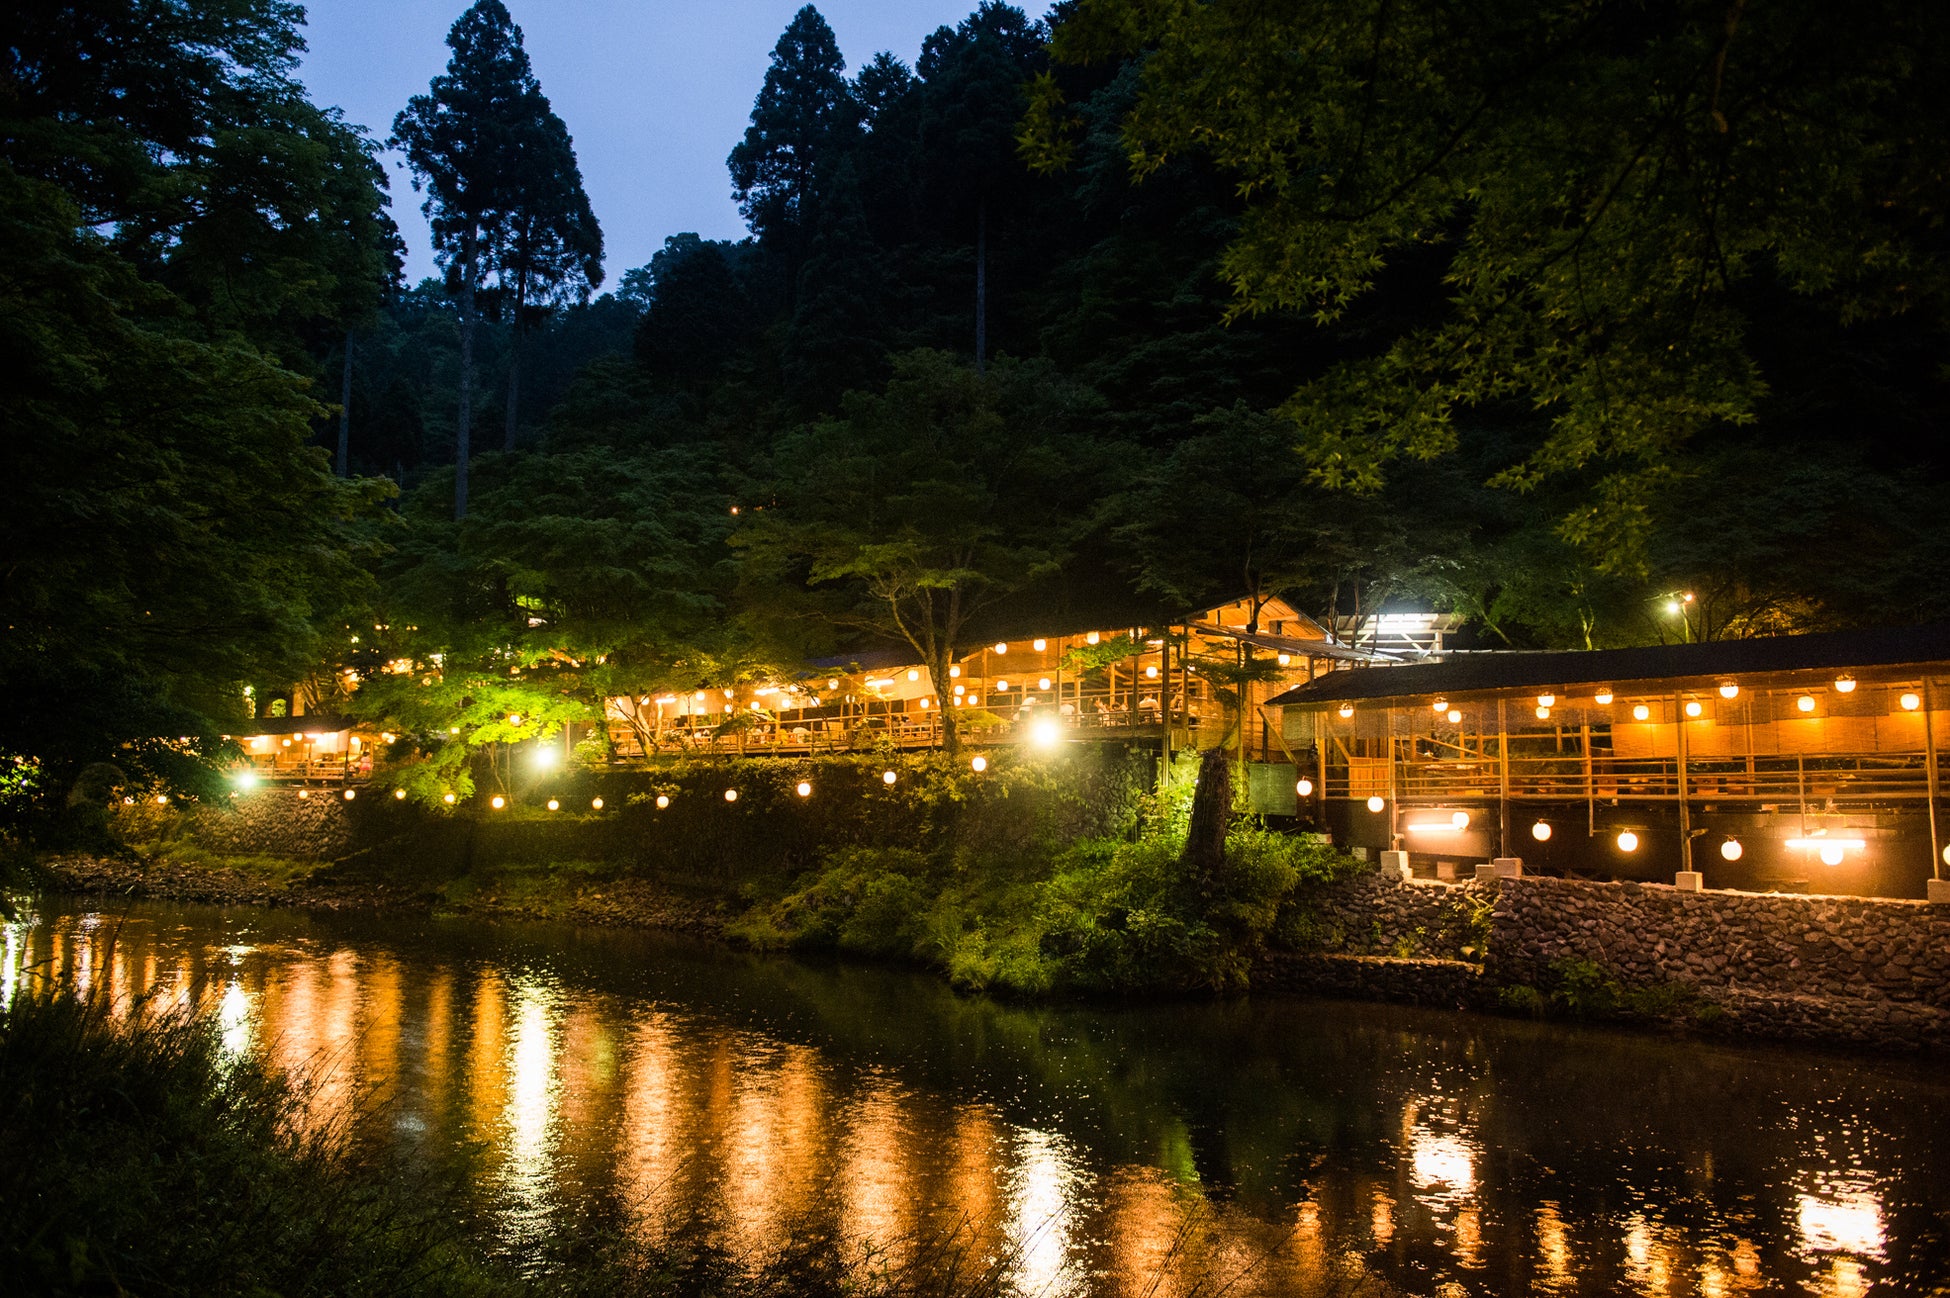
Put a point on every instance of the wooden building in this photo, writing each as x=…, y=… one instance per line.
x=1805, y=763
x=1175, y=686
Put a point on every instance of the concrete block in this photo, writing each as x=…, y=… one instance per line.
x=1939, y=891
x=1486, y=872
x=1689, y=881
x=1445, y=870
x=1508, y=867
x=1394, y=865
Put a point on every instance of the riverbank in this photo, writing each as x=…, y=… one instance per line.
x=565, y=894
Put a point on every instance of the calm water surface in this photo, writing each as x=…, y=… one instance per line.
x=685, y=1091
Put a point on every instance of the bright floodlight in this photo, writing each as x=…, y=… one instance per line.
x=1628, y=841
x=1046, y=733
x=546, y=757
x=1305, y=788
x=1377, y=802
x=1731, y=850
x=1541, y=831
x=244, y=779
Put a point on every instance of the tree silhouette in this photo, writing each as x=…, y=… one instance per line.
x=504, y=198
x=803, y=115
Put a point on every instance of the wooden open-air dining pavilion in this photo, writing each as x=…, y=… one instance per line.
x=1154, y=685
x=1794, y=763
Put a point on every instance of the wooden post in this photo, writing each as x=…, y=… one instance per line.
x=1590, y=780
x=1930, y=777
x=1502, y=778
x=1685, y=808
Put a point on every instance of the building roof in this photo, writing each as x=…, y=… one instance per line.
x=1830, y=650
x=309, y=724
x=1291, y=645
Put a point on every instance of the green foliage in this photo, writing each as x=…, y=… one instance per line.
x=1098, y=915
x=1596, y=192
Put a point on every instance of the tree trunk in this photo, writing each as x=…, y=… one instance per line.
x=944, y=698
x=1205, y=841
x=981, y=285
x=463, y=430
x=514, y=385
x=345, y=412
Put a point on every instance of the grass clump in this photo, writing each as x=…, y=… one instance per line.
x=1099, y=915
x=136, y=1156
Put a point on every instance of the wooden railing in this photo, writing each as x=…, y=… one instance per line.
x=1848, y=777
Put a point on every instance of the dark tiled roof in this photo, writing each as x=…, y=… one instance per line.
x=1830, y=650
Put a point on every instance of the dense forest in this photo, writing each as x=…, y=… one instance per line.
x=1538, y=314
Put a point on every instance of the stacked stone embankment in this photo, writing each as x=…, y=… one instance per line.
x=1836, y=969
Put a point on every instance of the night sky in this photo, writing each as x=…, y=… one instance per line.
x=655, y=93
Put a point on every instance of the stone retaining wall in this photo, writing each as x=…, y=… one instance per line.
x=1766, y=943
x=1377, y=914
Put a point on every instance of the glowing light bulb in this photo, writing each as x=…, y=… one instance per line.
x=979, y=764
x=1347, y=710
x=1284, y=660
x=731, y=795
x=1910, y=702
x=497, y=802
x=1046, y=733
x=954, y=672
x=1543, y=713
x=1001, y=646
x=448, y=798
x=913, y=675
x=1602, y=698
x=399, y=793
x=1806, y=703
x=1440, y=705
x=1377, y=802
x=1455, y=716
x=1459, y=820
x=351, y=794
x=803, y=788
x=1541, y=831
x=1845, y=685
x=1729, y=691
x=1640, y=712
x=1305, y=788
x=1040, y=645
x=1042, y=683
x=1627, y=841
x=1831, y=853
x=888, y=777
x=303, y=793
x=1151, y=672
x=1731, y=850
x=595, y=804
x=663, y=800
x=1092, y=638
x=1546, y=700
x=1001, y=687
x=1692, y=707
x=514, y=718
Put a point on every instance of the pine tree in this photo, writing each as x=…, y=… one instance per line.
x=473, y=142
x=803, y=116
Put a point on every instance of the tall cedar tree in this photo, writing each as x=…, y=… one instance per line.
x=554, y=250
x=803, y=116
x=504, y=198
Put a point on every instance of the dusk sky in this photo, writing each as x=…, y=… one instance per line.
x=655, y=93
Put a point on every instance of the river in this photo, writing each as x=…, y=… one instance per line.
x=1262, y=1145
